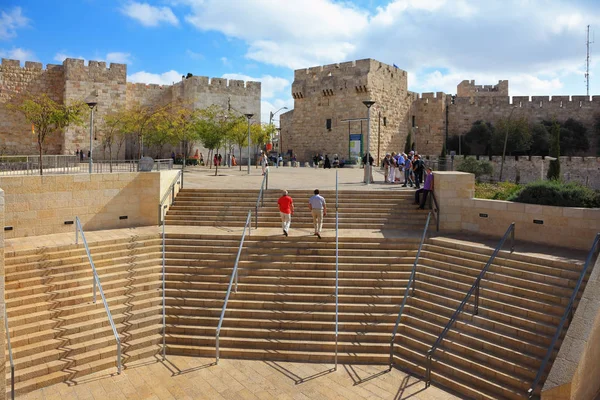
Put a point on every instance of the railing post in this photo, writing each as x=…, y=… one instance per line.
x=428, y=370
x=476, y=310
x=217, y=346
x=164, y=330
x=512, y=238
x=256, y=217
x=119, y=357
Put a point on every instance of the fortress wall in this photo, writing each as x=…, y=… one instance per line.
x=107, y=86
x=585, y=170
x=336, y=92
x=429, y=131
x=15, y=82
x=466, y=111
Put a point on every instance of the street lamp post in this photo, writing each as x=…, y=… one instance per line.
x=249, y=116
x=91, y=104
x=505, y=141
x=369, y=104
x=272, y=114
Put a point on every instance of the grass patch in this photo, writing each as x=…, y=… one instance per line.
x=496, y=191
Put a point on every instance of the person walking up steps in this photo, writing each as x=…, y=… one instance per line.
x=286, y=209
x=318, y=208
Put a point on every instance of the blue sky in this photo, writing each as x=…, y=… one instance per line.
x=539, y=45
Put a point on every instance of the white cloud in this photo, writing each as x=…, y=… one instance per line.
x=166, y=78
x=119, y=58
x=194, y=55
x=275, y=106
x=62, y=56
x=149, y=15
x=271, y=86
x=17, y=53
x=539, y=44
x=226, y=62
x=10, y=21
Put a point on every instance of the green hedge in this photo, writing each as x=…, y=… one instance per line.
x=556, y=193
x=496, y=191
x=189, y=161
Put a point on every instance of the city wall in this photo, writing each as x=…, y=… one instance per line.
x=335, y=92
x=526, y=169
x=108, y=86
x=40, y=205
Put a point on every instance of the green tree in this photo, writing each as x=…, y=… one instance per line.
x=407, y=145
x=239, y=135
x=213, y=127
x=457, y=143
x=554, y=170
x=479, y=138
x=113, y=132
x=47, y=117
x=259, y=135
x=519, y=136
x=573, y=136
x=476, y=167
x=540, y=140
x=139, y=120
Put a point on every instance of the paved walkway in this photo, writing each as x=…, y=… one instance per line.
x=183, y=378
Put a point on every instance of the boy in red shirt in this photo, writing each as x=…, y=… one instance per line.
x=286, y=209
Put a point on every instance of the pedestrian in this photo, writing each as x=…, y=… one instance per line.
x=418, y=168
x=219, y=159
x=215, y=160
x=427, y=187
x=286, y=210
x=318, y=209
x=386, y=167
x=327, y=162
x=263, y=162
x=279, y=161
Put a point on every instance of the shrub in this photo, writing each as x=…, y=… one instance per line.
x=189, y=161
x=476, y=167
x=496, y=191
x=556, y=193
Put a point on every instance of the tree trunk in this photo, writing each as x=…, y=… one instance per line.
x=40, y=148
x=240, y=162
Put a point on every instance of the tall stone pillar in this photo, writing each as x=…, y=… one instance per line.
x=452, y=191
x=2, y=301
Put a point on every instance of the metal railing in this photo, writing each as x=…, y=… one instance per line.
x=410, y=286
x=337, y=270
x=10, y=356
x=260, y=201
x=164, y=323
x=460, y=308
x=96, y=283
x=234, y=277
x=433, y=205
x=71, y=164
x=567, y=314
x=170, y=193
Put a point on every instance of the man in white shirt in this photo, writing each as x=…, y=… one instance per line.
x=318, y=208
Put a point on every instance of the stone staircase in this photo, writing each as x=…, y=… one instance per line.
x=57, y=333
x=284, y=308
x=497, y=353
x=357, y=210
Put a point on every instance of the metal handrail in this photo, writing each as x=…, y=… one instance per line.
x=436, y=211
x=170, y=192
x=567, y=314
x=261, y=199
x=474, y=288
x=337, y=283
x=233, y=277
x=96, y=282
x=10, y=356
x=164, y=323
x=410, y=284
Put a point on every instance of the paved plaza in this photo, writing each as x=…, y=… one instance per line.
x=199, y=378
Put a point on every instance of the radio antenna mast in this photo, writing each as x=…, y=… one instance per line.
x=587, y=63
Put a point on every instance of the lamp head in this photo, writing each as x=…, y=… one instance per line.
x=91, y=104
x=249, y=115
x=368, y=103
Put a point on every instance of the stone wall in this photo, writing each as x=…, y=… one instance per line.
x=335, y=92
x=429, y=130
x=76, y=81
x=16, y=81
x=555, y=226
x=2, y=300
x=585, y=170
x=40, y=205
x=574, y=374
x=465, y=111
x=470, y=89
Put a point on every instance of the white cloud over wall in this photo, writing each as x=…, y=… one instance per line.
x=17, y=53
x=148, y=15
x=166, y=78
x=10, y=21
x=524, y=41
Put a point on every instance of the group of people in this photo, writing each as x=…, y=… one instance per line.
x=411, y=166
x=81, y=154
x=316, y=204
x=318, y=160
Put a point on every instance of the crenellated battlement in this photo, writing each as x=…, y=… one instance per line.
x=95, y=71
x=204, y=83
x=29, y=66
x=469, y=89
